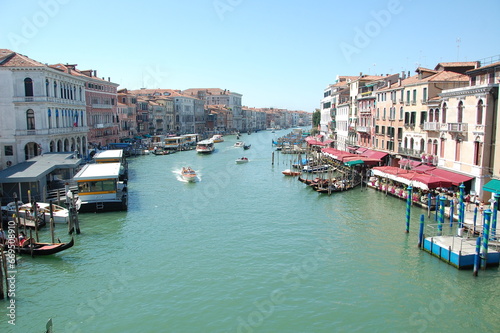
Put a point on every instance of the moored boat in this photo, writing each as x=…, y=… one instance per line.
x=100, y=189
x=33, y=248
x=289, y=172
x=59, y=213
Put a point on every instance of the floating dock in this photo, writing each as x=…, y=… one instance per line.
x=459, y=251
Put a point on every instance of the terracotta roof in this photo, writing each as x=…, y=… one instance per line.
x=161, y=92
x=10, y=58
x=423, y=69
x=496, y=64
x=457, y=64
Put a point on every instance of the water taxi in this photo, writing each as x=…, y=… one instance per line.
x=205, y=146
x=217, y=138
x=188, y=174
x=100, y=189
x=239, y=144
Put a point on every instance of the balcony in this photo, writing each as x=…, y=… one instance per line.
x=364, y=129
x=478, y=129
x=106, y=125
x=457, y=127
x=410, y=152
x=52, y=131
x=432, y=126
x=44, y=99
x=102, y=106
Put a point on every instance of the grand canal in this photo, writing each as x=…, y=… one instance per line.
x=246, y=249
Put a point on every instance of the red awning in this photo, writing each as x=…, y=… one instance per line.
x=374, y=154
x=405, y=162
x=429, y=180
x=361, y=150
x=422, y=168
x=351, y=148
x=455, y=178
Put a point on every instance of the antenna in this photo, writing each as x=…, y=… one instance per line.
x=458, y=48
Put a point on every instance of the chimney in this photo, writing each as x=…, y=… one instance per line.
x=95, y=73
x=403, y=75
x=360, y=73
x=109, y=79
x=408, y=73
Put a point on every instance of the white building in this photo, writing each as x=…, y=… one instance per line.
x=41, y=110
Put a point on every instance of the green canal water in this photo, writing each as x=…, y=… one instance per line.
x=246, y=249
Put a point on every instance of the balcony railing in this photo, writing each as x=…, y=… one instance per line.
x=457, y=127
x=410, y=152
x=102, y=106
x=432, y=126
x=363, y=129
x=51, y=131
x=44, y=99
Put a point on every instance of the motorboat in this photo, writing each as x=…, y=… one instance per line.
x=289, y=172
x=239, y=144
x=205, y=146
x=188, y=174
x=217, y=138
x=246, y=146
x=59, y=213
x=242, y=160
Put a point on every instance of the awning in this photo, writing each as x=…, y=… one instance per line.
x=355, y=162
x=374, y=154
x=361, y=150
x=138, y=137
x=455, y=178
x=492, y=186
x=423, y=168
x=351, y=148
x=406, y=162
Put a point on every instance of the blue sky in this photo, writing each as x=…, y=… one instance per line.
x=276, y=53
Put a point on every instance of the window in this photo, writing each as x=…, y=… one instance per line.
x=478, y=146
x=479, y=114
x=441, y=150
x=28, y=87
x=408, y=97
x=424, y=95
x=444, y=113
x=414, y=96
x=30, y=119
x=401, y=113
x=49, y=115
x=423, y=118
x=407, y=118
x=8, y=150
x=47, y=87
x=460, y=111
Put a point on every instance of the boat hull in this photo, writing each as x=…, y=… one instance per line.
x=44, y=249
x=104, y=206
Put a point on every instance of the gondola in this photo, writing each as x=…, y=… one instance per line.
x=246, y=147
x=42, y=249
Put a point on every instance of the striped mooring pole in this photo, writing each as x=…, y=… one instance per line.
x=442, y=201
x=461, y=207
x=477, y=257
x=452, y=211
x=437, y=207
x=421, y=232
x=486, y=238
x=493, y=233
x=475, y=220
x=408, y=208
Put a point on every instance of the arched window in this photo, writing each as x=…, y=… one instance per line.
x=441, y=150
x=460, y=112
x=431, y=115
x=436, y=115
x=435, y=147
x=422, y=145
x=429, y=146
x=479, y=115
x=49, y=115
x=55, y=89
x=47, y=87
x=30, y=119
x=445, y=108
x=57, y=120
x=28, y=87
x=458, y=146
x=412, y=143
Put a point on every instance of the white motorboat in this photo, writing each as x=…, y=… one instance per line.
x=188, y=174
x=239, y=144
x=242, y=160
x=59, y=213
